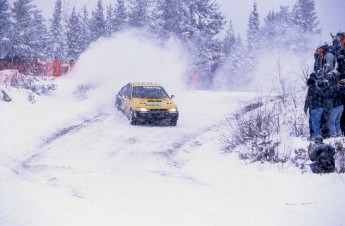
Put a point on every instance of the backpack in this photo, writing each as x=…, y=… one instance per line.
x=326, y=162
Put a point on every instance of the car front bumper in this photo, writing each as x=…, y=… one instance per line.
x=153, y=116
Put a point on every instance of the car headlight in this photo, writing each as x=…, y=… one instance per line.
x=173, y=110
x=142, y=109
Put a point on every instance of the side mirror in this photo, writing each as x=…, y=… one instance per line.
x=172, y=96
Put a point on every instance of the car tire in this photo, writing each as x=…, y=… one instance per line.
x=132, y=118
x=173, y=122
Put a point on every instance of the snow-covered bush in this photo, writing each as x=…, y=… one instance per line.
x=253, y=131
x=339, y=157
x=261, y=149
x=250, y=122
x=38, y=85
x=81, y=91
x=277, y=114
x=35, y=85
x=299, y=158
x=256, y=133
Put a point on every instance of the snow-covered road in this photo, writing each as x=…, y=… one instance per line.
x=88, y=166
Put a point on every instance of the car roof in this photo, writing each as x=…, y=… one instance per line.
x=144, y=84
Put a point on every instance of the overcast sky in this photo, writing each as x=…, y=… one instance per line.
x=331, y=12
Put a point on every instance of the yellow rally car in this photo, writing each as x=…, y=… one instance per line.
x=147, y=103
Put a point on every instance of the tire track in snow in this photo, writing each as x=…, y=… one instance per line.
x=173, y=154
x=28, y=165
x=73, y=128
x=175, y=147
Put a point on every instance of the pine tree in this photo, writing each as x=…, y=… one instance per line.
x=206, y=18
x=40, y=42
x=85, y=36
x=74, y=33
x=22, y=33
x=97, y=22
x=170, y=18
x=109, y=22
x=206, y=22
x=305, y=24
x=253, y=32
x=229, y=40
x=120, y=16
x=285, y=26
x=240, y=64
x=5, y=25
x=235, y=70
x=304, y=16
x=139, y=15
x=57, y=39
x=278, y=29
x=271, y=24
x=4, y=16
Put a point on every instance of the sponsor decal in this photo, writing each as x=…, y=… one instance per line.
x=153, y=105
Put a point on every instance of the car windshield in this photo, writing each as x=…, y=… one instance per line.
x=149, y=92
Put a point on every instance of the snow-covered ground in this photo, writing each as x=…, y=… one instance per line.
x=69, y=161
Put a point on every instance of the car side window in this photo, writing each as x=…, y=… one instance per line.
x=122, y=91
x=127, y=91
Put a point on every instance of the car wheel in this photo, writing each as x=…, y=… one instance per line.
x=132, y=119
x=173, y=122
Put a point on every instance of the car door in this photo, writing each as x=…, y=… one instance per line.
x=126, y=98
x=119, y=98
x=122, y=98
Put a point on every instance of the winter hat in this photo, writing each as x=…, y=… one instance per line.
x=311, y=82
x=325, y=48
x=313, y=75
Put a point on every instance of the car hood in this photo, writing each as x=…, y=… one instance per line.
x=165, y=103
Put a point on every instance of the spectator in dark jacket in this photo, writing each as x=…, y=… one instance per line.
x=333, y=77
x=341, y=64
x=329, y=60
x=311, y=82
x=322, y=156
x=313, y=75
x=323, y=85
x=314, y=102
x=341, y=86
x=337, y=110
